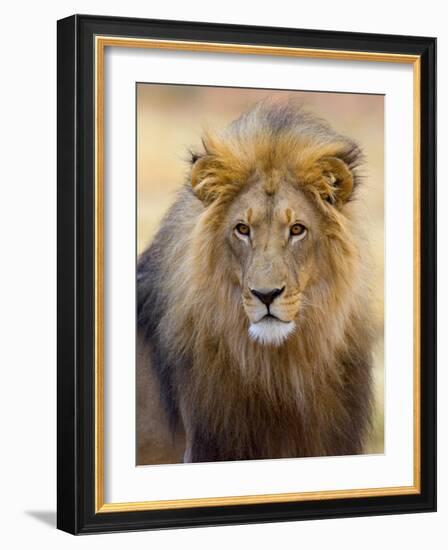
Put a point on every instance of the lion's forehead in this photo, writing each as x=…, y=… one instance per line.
x=287, y=205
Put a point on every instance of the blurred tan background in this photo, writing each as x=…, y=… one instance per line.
x=170, y=121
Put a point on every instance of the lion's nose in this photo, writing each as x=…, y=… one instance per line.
x=267, y=296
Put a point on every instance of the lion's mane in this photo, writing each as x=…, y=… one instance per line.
x=235, y=398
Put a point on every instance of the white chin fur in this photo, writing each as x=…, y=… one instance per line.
x=270, y=331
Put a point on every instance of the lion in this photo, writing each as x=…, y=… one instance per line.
x=253, y=299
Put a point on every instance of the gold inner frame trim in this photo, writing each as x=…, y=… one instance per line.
x=101, y=42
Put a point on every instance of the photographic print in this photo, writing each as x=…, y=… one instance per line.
x=246, y=274
x=260, y=274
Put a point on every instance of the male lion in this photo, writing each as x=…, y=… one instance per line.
x=253, y=303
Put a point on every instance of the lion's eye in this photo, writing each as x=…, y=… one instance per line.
x=297, y=230
x=243, y=229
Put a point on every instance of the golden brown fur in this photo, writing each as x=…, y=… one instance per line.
x=308, y=392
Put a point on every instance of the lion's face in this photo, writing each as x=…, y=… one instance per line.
x=278, y=196
x=273, y=240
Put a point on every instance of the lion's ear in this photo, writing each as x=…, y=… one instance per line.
x=336, y=181
x=204, y=168
x=218, y=172
x=203, y=180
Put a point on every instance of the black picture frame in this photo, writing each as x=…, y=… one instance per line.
x=76, y=254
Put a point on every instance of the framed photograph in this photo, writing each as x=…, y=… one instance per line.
x=246, y=274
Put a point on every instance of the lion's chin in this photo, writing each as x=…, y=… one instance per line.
x=270, y=331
